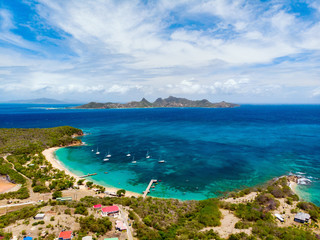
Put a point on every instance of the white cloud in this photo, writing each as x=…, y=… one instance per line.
x=119, y=47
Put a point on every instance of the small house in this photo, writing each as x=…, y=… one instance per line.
x=97, y=207
x=302, y=217
x=121, y=226
x=109, y=210
x=39, y=216
x=65, y=235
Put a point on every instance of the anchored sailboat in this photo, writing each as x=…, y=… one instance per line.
x=108, y=155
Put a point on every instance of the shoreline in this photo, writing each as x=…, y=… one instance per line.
x=51, y=157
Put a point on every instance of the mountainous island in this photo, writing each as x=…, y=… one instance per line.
x=170, y=102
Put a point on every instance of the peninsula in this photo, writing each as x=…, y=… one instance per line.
x=62, y=201
x=170, y=102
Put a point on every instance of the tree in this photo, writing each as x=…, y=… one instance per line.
x=80, y=182
x=56, y=194
x=89, y=184
x=121, y=192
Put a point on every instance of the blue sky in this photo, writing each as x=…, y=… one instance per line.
x=99, y=50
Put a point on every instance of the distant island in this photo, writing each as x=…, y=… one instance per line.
x=170, y=102
x=38, y=101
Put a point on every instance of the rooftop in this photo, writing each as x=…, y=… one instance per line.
x=110, y=209
x=65, y=234
x=302, y=216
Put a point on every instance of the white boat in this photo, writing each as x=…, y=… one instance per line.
x=108, y=155
x=106, y=158
x=128, y=155
x=92, y=150
x=161, y=161
x=97, y=152
x=147, y=155
x=133, y=161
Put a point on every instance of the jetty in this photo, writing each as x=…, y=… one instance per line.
x=148, y=188
x=88, y=175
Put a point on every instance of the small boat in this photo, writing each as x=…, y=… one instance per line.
x=106, y=172
x=133, y=161
x=108, y=155
x=97, y=152
x=147, y=155
x=153, y=187
x=161, y=161
x=128, y=154
x=92, y=150
x=106, y=159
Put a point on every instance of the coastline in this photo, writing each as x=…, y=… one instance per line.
x=51, y=157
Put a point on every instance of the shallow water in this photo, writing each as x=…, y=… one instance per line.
x=206, y=151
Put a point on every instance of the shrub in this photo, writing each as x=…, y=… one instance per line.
x=209, y=213
x=242, y=225
x=67, y=211
x=56, y=194
x=80, y=209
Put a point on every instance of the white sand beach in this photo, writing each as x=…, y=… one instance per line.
x=50, y=156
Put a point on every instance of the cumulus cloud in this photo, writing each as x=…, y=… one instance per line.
x=160, y=47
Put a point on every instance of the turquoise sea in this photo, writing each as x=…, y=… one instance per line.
x=206, y=151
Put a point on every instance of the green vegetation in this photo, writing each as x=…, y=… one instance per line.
x=151, y=218
x=121, y=192
x=26, y=159
x=99, y=226
x=81, y=209
x=312, y=209
x=12, y=217
x=56, y=194
x=35, y=140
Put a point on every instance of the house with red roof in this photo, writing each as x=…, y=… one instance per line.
x=110, y=210
x=65, y=235
x=97, y=207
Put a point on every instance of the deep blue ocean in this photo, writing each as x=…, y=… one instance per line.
x=206, y=151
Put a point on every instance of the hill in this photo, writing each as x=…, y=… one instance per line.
x=170, y=102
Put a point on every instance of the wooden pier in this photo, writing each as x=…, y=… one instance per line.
x=88, y=175
x=148, y=188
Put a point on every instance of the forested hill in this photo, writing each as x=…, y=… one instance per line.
x=170, y=102
x=17, y=140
